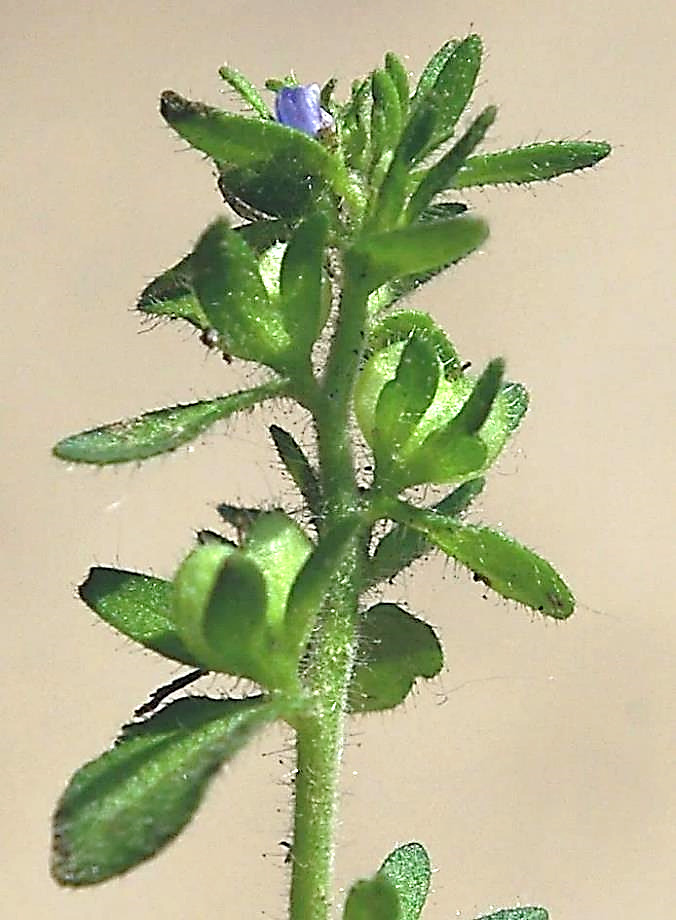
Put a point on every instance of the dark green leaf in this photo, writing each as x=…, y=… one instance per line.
x=403, y=324
x=159, y=431
x=123, y=807
x=475, y=411
x=441, y=460
x=408, y=868
x=356, y=125
x=246, y=90
x=373, y=899
x=499, y=562
x=240, y=518
x=326, y=95
x=395, y=648
x=138, y=606
x=301, y=284
x=404, y=400
x=420, y=247
x=440, y=176
x=299, y=468
x=256, y=146
x=530, y=164
x=518, y=913
x=171, y=294
x=402, y=545
x=232, y=294
x=454, y=85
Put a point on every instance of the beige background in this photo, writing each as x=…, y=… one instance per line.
x=541, y=766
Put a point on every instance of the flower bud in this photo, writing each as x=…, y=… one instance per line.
x=298, y=107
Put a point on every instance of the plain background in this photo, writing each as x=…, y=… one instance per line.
x=540, y=767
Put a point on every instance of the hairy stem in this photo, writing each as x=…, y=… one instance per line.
x=320, y=735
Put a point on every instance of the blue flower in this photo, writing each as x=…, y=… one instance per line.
x=298, y=107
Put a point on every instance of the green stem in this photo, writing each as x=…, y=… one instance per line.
x=320, y=734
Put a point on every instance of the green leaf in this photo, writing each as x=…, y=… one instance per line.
x=356, y=126
x=498, y=561
x=518, y=913
x=232, y=294
x=399, y=76
x=408, y=868
x=433, y=68
x=454, y=86
x=301, y=284
x=373, y=899
x=229, y=606
x=246, y=90
x=277, y=163
x=138, y=606
x=238, y=517
x=298, y=467
x=395, y=648
x=390, y=293
x=385, y=115
x=530, y=164
x=440, y=176
x=401, y=325
x=401, y=546
x=404, y=399
x=160, y=431
x=172, y=293
x=420, y=247
x=123, y=807
x=415, y=137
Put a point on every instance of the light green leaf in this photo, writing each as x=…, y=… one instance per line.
x=138, y=606
x=401, y=325
x=408, y=868
x=395, y=648
x=399, y=76
x=373, y=899
x=385, y=115
x=246, y=90
x=498, y=561
x=404, y=399
x=123, y=807
x=433, y=68
x=302, y=302
x=402, y=545
x=420, y=247
x=530, y=164
x=160, y=431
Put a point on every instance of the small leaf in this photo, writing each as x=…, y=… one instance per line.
x=356, y=126
x=160, y=431
x=171, y=294
x=123, y=807
x=498, y=561
x=408, y=868
x=401, y=325
x=404, y=400
x=232, y=294
x=402, y=545
x=440, y=176
x=373, y=899
x=420, y=247
x=301, y=284
x=385, y=115
x=433, y=68
x=138, y=606
x=530, y=164
x=395, y=648
x=454, y=86
x=298, y=467
x=240, y=518
x=399, y=76
x=246, y=90
x=284, y=162
x=518, y=913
